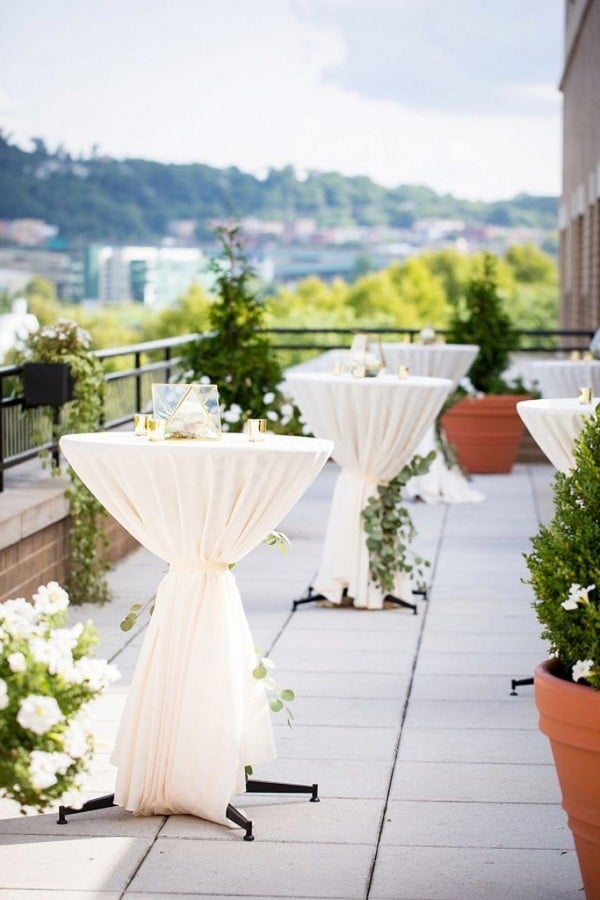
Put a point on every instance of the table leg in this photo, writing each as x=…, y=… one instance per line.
x=389, y=598
x=310, y=597
x=104, y=802
x=518, y=682
x=277, y=787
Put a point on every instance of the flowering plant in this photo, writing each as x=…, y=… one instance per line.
x=66, y=342
x=565, y=567
x=46, y=679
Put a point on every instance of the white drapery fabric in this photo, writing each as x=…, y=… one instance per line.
x=564, y=377
x=375, y=424
x=554, y=425
x=438, y=360
x=451, y=361
x=195, y=716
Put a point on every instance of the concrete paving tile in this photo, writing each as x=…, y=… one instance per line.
x=517, y=622
x=500, y=825
x=511, y=665
x=337, y=742
x=134, y=895
x=352, y=660
x=464, y=745
x=401, y=641
x=482, y=782
x=467, y=687
x=348, y=711
x=480, y=714
x=291, y=820
x=489, y=642
x=100, y=863
x=346, y=684
x=113, y=822
x=13, y=894
x=339, y=619
x=352, y=779
x=322, y=870
x=435, y=873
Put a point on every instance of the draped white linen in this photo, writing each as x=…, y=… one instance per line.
x=564, y=377
x=195, y=716
x=452, y=361
x=375, y=424
x=555, y=424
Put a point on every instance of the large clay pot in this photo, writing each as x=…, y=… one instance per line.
x=570, y=717
x=485, y=431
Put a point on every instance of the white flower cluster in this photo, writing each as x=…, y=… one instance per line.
x=43, y=664
x=580, y=596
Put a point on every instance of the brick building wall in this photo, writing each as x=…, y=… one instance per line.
x=42, y=556
x=580, y=202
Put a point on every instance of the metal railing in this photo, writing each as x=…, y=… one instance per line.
x=131, y=370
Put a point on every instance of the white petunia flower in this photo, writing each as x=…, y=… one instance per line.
x=233, y=414
x=268, y=397
x=50, y=598
x=38, y=713
x=97, y=673
x=272, y=416
x=287, y=409
x=3, y=694
x=53, y=654
x=582, y=669
x=75, y=741
x=44, y=767
x=205, y=380
x=577, y=595
x=16, y=662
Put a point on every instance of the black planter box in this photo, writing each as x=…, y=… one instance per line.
x=47, y=384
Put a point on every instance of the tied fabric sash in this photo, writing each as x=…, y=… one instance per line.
x=196, y=564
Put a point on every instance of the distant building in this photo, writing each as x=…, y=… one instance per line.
x=155, y=276
x=580, y=204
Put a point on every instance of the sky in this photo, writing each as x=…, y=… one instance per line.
x=458, y=95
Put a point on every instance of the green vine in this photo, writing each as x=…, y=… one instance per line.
x=390, y=530
x=66, y=342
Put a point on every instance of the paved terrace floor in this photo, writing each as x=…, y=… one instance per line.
x=435, y=783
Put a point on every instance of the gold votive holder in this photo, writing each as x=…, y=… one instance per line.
x=155, y=428
x=338, y=369
x=359, y=371
x=139, y=424
x=575, y=355
x=588, y=356
x=585, y=395
x=403, y=371
x=257, y=429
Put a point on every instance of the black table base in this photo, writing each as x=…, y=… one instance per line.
x=518, y=682
x=234, y=815
x=311, y=597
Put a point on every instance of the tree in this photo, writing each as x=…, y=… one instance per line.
x=480, y=318
x=236, y=356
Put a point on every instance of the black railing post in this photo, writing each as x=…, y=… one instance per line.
x=138, y=381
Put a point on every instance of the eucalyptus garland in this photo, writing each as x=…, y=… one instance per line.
x=66, y=342
x=390, y=530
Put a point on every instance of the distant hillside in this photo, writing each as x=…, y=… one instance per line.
x=132, y=200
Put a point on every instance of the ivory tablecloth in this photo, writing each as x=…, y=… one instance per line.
x=564, y=377
x=555, y=424
x=375, y=424
x=438, y=360
x=195, y=716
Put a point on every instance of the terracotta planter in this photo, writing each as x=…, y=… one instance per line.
x=570, y=717
x=47, y=384
x=485, y=431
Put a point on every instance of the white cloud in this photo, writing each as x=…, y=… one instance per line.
x=229, y=83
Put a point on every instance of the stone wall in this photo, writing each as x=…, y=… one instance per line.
x=34, y=536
